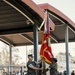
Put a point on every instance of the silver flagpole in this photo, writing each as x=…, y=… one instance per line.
x=67, y=54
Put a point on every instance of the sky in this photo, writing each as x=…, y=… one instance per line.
x=68, y=8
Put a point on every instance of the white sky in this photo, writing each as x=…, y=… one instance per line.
x=65, y=6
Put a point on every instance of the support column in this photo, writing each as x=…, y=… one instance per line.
x=67, y=54
x=35, y=36
x=22, y=70
x=26, y=54
x=10, y=59
x=10, y=52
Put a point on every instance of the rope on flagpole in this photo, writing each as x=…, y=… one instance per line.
x=43, y=21
x=41, y=25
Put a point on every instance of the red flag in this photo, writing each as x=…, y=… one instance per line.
x=46, y=51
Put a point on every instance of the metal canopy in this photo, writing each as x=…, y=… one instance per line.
x=16, y=27
x=60, y=21
x=12, y=21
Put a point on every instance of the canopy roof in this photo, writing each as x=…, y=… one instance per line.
x=60, y=21
x=17, y=18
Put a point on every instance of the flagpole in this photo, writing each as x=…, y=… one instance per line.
x=43, y=61
x=43, y=66
x=45, y=51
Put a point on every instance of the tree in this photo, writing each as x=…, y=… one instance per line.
x=4, y=56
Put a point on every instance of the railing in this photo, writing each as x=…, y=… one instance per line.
x=7, y=70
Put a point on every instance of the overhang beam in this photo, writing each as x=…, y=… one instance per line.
x=71, y=29
x=27, y=37
x=57, y=18
x=16, y=30
x=7, y=41
x=9, y=2
x=54, y=38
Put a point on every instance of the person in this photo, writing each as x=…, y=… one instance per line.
x=17, y=73
x=53, y=67
x=65, y=72
x=31, y=66
x=13, y=73
x=60, y=73
x=10, y=73
x=72, y=73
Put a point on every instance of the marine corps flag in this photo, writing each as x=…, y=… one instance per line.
x=46, y=51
